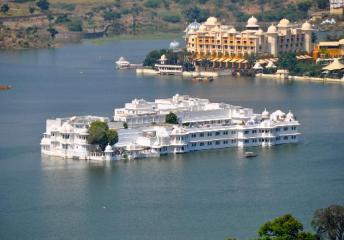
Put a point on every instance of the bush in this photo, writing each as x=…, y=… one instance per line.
x=43, y=5
x=195, y=13
x=62, y=19
x=75, y=25
x=171, y=17
x=171, y=118
x=152, y=3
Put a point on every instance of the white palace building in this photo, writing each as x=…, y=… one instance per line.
x=202, y=125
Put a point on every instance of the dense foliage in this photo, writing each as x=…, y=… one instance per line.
x=75, y=25
x=153, y=57
x=4, y=8
x=171, y=118
x=43, y=5
x=285, y=227
x=329, y=222
x=100, y=134
x=288, y=61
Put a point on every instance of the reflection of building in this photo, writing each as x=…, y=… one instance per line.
x=213, y=38
x=336, y=7
x=329, y=49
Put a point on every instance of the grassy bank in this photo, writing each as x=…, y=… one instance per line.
x=144, y=36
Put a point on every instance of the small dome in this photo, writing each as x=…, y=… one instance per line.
x=232, y=30
x=174, y=44
x=259, y=32
x=108, y=148
x=290, y=116
x=202, y=28
x=192, y=27
x=67, y=128
x=163, y=58
x=272, y=29
x=252, y=22
x=265, y=113
x=211, y=21
x=284, y=23
x=306, y=26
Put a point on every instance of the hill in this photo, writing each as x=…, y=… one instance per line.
x=147, y=16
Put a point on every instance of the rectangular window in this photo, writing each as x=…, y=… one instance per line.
x=210, y=134
x=246, y=132
x=201, y=134
x=217, y=142
x=217, y=133
x=201, y=144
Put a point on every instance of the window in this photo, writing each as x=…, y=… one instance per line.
x=233, y=132
x=217, y=142
x=225, y=142
x=233, y=141
x=193, y=135
x=285, y=138
x=278, y=129
x=210, y=134
x=217, y=133
x=210, y=143
x=201, y=144
x=201, y=134
x=285, y=128
x=247, y=141
x=246, y=132
x=193, y=144
x=225, y=133
x=278, y=138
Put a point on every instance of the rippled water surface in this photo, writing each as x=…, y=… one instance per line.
x=203, y=195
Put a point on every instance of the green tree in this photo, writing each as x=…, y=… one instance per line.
x=4, y=8
x=43, y=5
x=100, y=134
x=288, y=61
x=195, y=13
x=53, y=32
x=322, y=4
x=125, y=125
x=304, y=5
x=285, y=227
x=171, y=118
x=329, y=222
x=75, y=25
x=111, y=16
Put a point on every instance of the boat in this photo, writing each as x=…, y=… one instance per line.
x=250, y=154
x=203, y=79
x=5, y=87
x=121, y=63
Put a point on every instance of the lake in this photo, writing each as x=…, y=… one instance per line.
x=202, y=195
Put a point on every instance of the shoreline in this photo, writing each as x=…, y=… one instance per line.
x=300, y=78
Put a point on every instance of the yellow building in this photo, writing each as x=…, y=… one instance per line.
x=212, y=38
x=329, y=49
x=337, y=7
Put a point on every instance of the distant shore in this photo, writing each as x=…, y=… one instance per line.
x=141, y=36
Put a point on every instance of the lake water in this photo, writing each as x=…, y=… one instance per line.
x=202, y=195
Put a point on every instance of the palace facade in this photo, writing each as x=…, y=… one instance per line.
x=216, y=39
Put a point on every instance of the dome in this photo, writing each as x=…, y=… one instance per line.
x=272, y=29
x=163, y=58
x=259, y=32
x=265, y=114
x=290, y=116
x=277, y=116
x=174, y=44
x=161, y=132
x=108, y=148
x=283, y=23
x=232, y=30
x=252, y=22
x=194, y=26
x=202, y=28
x=306, y=26
x=67, y=128
x=211, y=21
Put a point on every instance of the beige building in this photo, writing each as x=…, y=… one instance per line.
x=212, y=38
x=336, y=7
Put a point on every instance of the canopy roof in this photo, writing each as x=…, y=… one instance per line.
x=335, y=65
